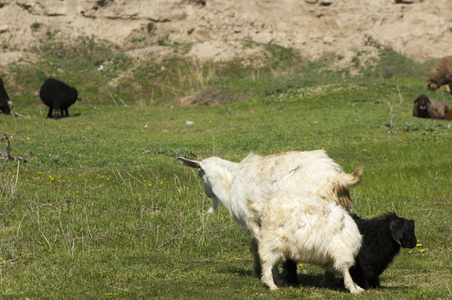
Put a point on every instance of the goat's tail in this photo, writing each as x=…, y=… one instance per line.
x=341, y=190
x=351, y=180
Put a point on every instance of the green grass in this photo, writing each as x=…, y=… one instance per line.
x=103, y=210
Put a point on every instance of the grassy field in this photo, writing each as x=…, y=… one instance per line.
x=104, y=211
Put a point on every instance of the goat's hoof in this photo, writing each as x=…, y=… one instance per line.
x=357, y=290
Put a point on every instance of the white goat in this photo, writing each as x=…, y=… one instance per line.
x=306, y=229
x=256, y=178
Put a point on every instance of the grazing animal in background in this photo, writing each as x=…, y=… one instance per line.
x=382, y=238
x=57, y=96
x=449, y=115
x=257, y=178
x=5, y=102
x=425, y=107
x=306, y=229
x=441, y=74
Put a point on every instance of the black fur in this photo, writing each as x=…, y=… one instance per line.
x=382, y=238
x=57, y=96
x=425, y=107
x=4, y=98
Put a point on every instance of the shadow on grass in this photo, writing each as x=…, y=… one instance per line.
x=304, y=280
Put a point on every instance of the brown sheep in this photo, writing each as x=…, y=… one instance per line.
x=441, y=74
x=449, y=116
x=425, y=107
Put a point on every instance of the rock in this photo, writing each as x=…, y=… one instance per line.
x=420, y=30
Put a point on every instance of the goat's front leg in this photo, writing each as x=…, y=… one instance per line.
x=374, y=282
x=290, y=272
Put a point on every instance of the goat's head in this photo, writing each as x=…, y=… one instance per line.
x=432, y=85
x=217, y=176
x=403, y=231
x=422, y=102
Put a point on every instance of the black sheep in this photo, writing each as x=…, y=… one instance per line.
x=57, y=96
x=425, y=107
x=382, y=238
x=5, y=103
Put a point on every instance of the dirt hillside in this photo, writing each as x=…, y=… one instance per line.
x=418, y=29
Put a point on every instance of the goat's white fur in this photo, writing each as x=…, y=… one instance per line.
x=306, y=229
x=256, y=178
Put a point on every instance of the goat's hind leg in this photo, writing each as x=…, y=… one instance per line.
x=270, y=263
x=257, y=267
x=349, y=283
x=267, y=275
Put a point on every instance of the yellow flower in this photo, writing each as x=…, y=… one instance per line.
x=182, y=276
x=109, y=294
x=301, y=265
x=418, y=245
x=28, y=138
x=422, y=250
x=411, y=251
x=149, y=278
x=77, y=196
x=150, y=184
x=108, y=178
x=161, y=182
x=39, y=173
x=432, y=229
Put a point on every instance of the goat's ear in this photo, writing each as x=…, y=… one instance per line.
x=396, y=229
x=417, y=100
x=189, y=163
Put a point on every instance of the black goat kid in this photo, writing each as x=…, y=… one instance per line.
x=382, y=238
